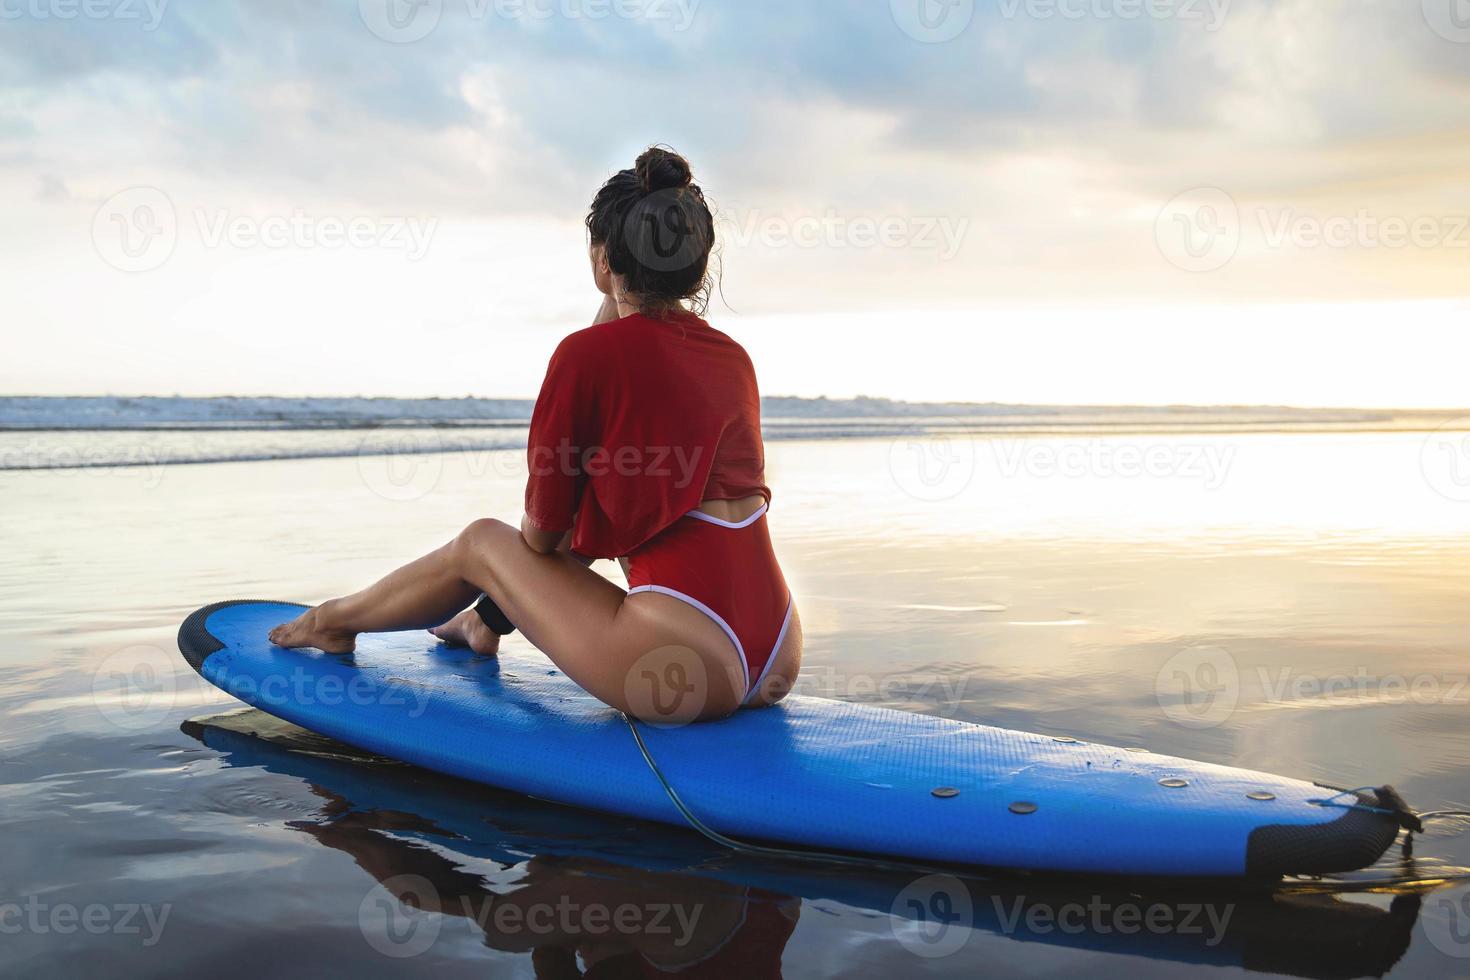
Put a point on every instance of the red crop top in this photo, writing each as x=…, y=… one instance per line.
x=639, y=420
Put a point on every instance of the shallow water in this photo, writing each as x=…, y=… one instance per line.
x=1292, y=603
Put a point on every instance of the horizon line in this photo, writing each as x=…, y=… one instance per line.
x=1217, y=406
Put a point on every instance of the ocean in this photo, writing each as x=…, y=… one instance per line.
x=1278, y=589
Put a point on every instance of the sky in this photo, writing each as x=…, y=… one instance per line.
x=1047, y=201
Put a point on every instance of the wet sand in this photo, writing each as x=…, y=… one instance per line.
x=1293, y=603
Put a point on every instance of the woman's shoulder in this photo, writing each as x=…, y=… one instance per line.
x=735, y=347
x=625, y=335
x=609, y=331
x=588, y=341
x=605, y=343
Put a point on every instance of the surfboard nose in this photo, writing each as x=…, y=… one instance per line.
x=196, y=642
x=1355, y=840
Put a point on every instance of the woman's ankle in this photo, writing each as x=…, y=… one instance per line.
x=327, y=617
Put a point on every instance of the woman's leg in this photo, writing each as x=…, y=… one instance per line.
x=419, y=595
x=651, y=656
x=468, y=629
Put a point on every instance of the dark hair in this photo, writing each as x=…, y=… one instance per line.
x=658, y=231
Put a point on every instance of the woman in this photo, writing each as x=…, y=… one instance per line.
x=645, y=446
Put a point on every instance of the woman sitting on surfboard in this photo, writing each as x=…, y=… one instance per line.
x=645, y=446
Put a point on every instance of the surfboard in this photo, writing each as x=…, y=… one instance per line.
x=806, y=773
x=473, y=825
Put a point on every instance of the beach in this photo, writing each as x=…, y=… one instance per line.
x=1288, y=601
x=1091, y=371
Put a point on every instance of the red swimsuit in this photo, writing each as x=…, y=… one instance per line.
x=728, y=571
x=638, y=421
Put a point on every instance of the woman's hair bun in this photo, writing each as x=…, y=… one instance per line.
x=660, y=169
x=658, y=231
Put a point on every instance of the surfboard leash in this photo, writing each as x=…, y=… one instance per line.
x=761, y=850
x=1408, y=819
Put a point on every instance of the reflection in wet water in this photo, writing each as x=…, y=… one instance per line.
x=585, y=886
x=1292, y=603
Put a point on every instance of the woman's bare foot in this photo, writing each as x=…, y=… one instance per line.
x=469, y=630
x=305, y=631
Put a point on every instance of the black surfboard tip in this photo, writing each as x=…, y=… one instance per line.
x=196, y=643
x=1354, y=840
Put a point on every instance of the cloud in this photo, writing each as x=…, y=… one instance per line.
x=281, y=91
x=1056, y=137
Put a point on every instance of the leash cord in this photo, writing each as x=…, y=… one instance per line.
x=823, y=857
x=828, y=857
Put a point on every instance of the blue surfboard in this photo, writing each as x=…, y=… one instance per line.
x=1311, y=935
x=807, y=773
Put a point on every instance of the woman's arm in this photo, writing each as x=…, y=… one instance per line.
x=543, y=542
x=559, y=427
x=608, y=311
x=548, y=542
